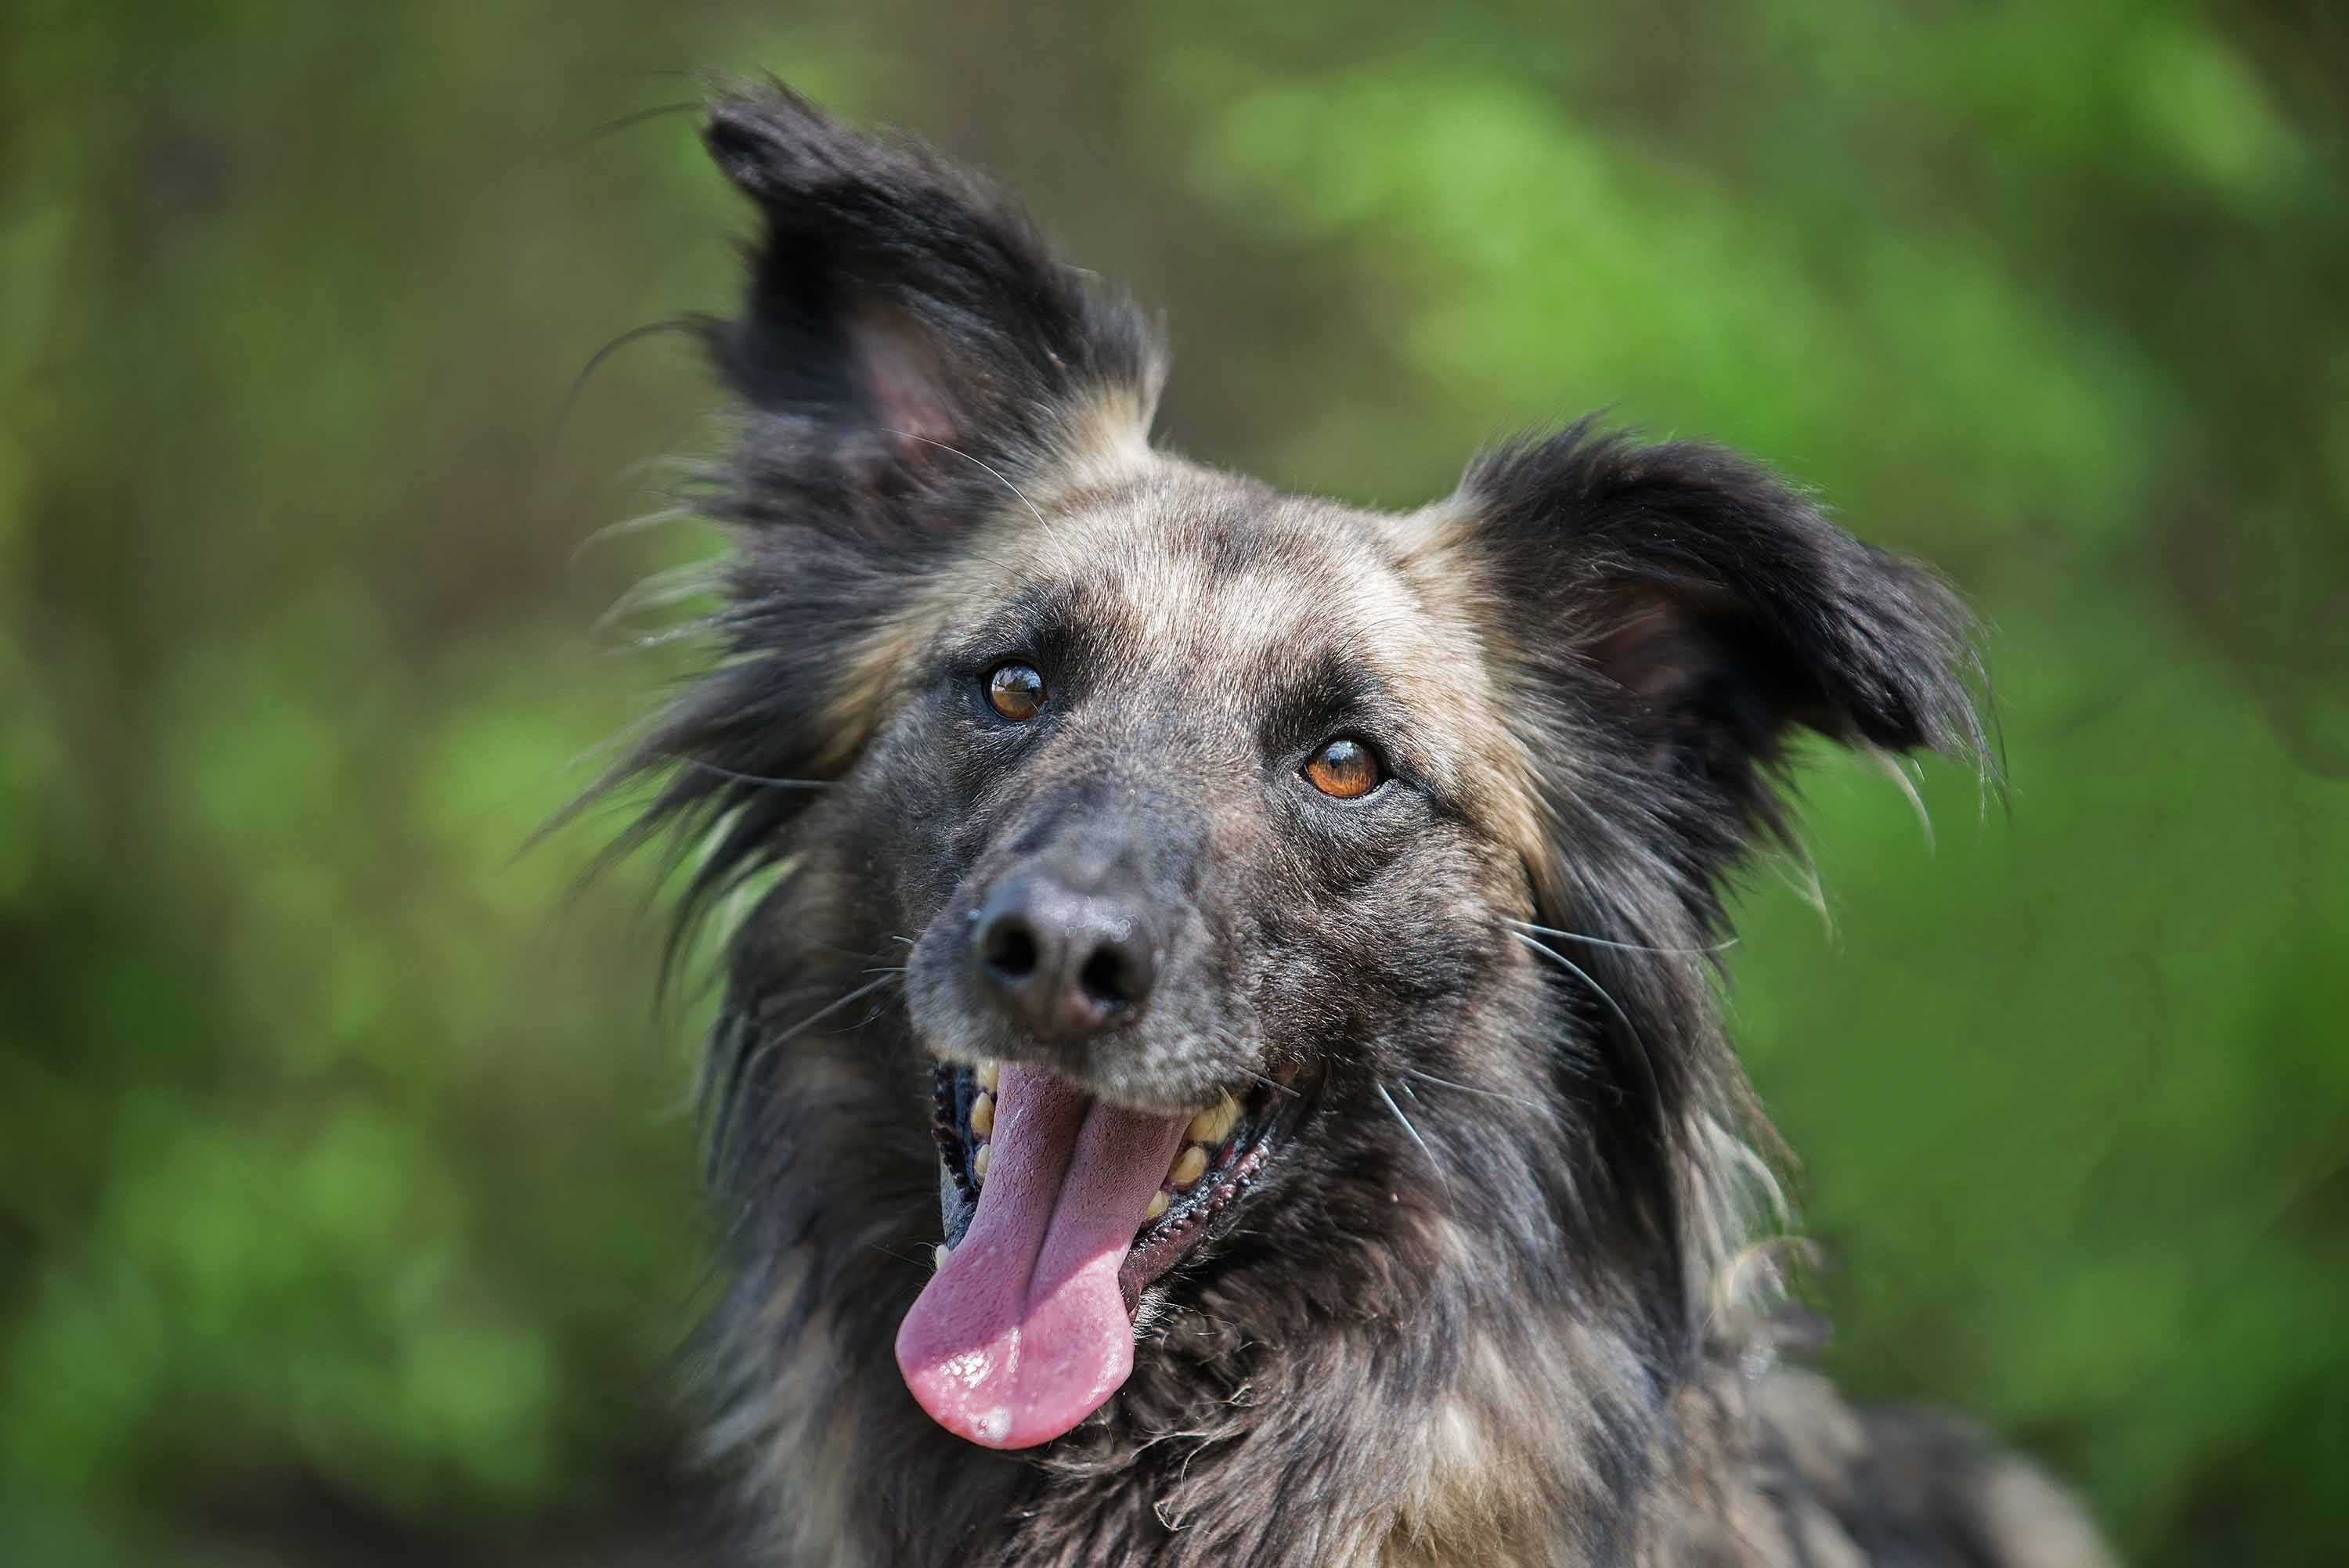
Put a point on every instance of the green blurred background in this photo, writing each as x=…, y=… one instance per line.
x=346, y=1167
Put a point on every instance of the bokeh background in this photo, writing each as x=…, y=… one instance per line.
x=345, y=1165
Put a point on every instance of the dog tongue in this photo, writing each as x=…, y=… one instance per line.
x=1025, y=1332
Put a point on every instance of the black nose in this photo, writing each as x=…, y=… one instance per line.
x=1062, y=961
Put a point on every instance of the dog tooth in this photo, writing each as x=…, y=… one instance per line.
x=1157, y=1205
x=1189, y=1166
x=1213, y=1125
x=939, y=1254
x=982, y=1115
x=989, y=1075
x=979, y=1162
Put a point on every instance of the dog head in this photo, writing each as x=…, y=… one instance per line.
x=1209, y=825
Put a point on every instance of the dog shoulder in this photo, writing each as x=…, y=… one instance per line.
x=1809, y=1478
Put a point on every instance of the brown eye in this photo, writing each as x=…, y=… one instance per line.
x=1016, y=690
x=1344, y=769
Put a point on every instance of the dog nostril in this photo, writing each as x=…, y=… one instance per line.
x=1009, y=950
x=1108, y=978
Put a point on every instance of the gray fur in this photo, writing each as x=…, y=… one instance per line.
x=1506, y=1290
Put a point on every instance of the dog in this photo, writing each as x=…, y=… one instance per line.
x=1220, y=1060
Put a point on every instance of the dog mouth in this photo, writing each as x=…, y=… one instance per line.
x=1060, y=1211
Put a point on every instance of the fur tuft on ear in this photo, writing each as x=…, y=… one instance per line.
x=1698, y=605
x=901, y=310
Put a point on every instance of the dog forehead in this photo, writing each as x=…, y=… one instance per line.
x=1202, y=572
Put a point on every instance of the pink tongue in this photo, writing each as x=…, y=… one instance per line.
x=1024, y=1333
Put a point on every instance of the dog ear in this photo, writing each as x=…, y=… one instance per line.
x=905, y=322
x=1700, y=608
x=911, y=357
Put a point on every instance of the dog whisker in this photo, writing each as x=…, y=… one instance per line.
x=682, y=325
x=1272, y=1083
x=1579, y=973
x=1433, y=1162
x=1647, y=1065
x=966, y=457
x=1235, y=1047
x=637, y=116
x=924, y=1264
x=1471, y=1088
x=1623, y=946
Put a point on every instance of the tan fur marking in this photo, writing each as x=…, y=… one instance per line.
x=819, y=1453
x=1101, y=440
x=1431, y=554
x=1486, y=1443
x=856, y=704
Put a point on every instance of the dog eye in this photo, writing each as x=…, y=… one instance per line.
x=1344, y=769
x=1015, y=691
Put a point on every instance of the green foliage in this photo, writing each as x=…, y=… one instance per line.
x=342, y=1150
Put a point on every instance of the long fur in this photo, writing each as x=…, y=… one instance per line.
x=1510, y=1293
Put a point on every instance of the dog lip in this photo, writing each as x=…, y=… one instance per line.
x=1161, y=1244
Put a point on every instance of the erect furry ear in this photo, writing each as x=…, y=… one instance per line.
x=900, y=306
x=1702, y=607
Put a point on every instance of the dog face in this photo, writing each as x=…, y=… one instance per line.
x=1185, y=785
x=1204, y=820
x=1191, y=786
